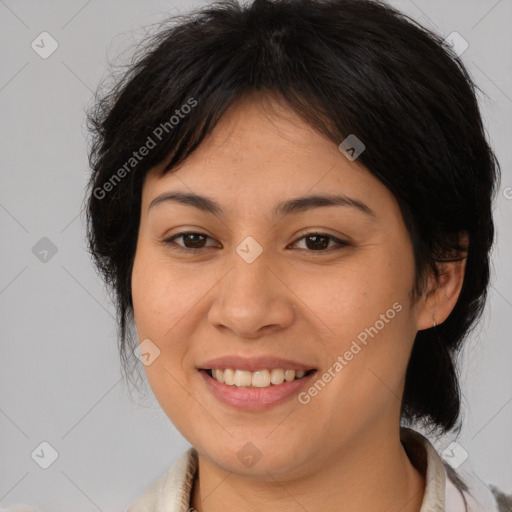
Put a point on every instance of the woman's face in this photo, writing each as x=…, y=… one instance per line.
x=260, y=284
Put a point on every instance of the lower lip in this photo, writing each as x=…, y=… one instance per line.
x=254, y=399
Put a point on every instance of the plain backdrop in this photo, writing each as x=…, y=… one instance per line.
x=60, y=380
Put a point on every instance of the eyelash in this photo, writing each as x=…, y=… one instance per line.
x=175, y=247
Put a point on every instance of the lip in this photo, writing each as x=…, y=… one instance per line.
x=253, y=364
x=254, y=399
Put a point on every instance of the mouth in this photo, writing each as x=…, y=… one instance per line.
x=255, y=391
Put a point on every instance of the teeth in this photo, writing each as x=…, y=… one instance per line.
x=258, y=379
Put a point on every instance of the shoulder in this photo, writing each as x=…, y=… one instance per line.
x=448, y=488
x=476, y=494
x=171, y=491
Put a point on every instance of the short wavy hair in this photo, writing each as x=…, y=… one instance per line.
x=346, y=67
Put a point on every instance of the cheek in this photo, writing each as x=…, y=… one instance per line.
x=353, y=296
x=166, y=304
x=157, y=308
x=365, y=318
x=159, y=294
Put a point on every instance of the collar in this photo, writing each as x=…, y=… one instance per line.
x=446, y=490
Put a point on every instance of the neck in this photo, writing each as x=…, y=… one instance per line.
x=374, y=473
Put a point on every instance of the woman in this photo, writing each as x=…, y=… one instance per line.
x=292, y=201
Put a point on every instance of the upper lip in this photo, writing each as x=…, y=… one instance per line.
x=253, y=364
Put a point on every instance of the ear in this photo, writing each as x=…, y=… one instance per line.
x=440, y=296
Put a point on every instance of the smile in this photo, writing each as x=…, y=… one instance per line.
x=255, y=398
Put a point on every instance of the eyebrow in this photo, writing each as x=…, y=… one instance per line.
x=289, y=207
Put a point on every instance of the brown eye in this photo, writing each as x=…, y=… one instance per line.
x=193, y=241
x=318, y=242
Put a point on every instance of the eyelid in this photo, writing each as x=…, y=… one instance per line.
x=339, y=242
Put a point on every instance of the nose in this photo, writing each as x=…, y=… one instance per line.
x=253, y=299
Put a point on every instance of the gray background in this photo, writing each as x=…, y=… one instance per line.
x=60, y=379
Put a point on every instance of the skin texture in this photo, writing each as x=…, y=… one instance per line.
x=341, y=451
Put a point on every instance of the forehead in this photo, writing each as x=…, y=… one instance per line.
x=261, y=150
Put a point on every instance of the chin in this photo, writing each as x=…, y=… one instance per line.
x=255, y=458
